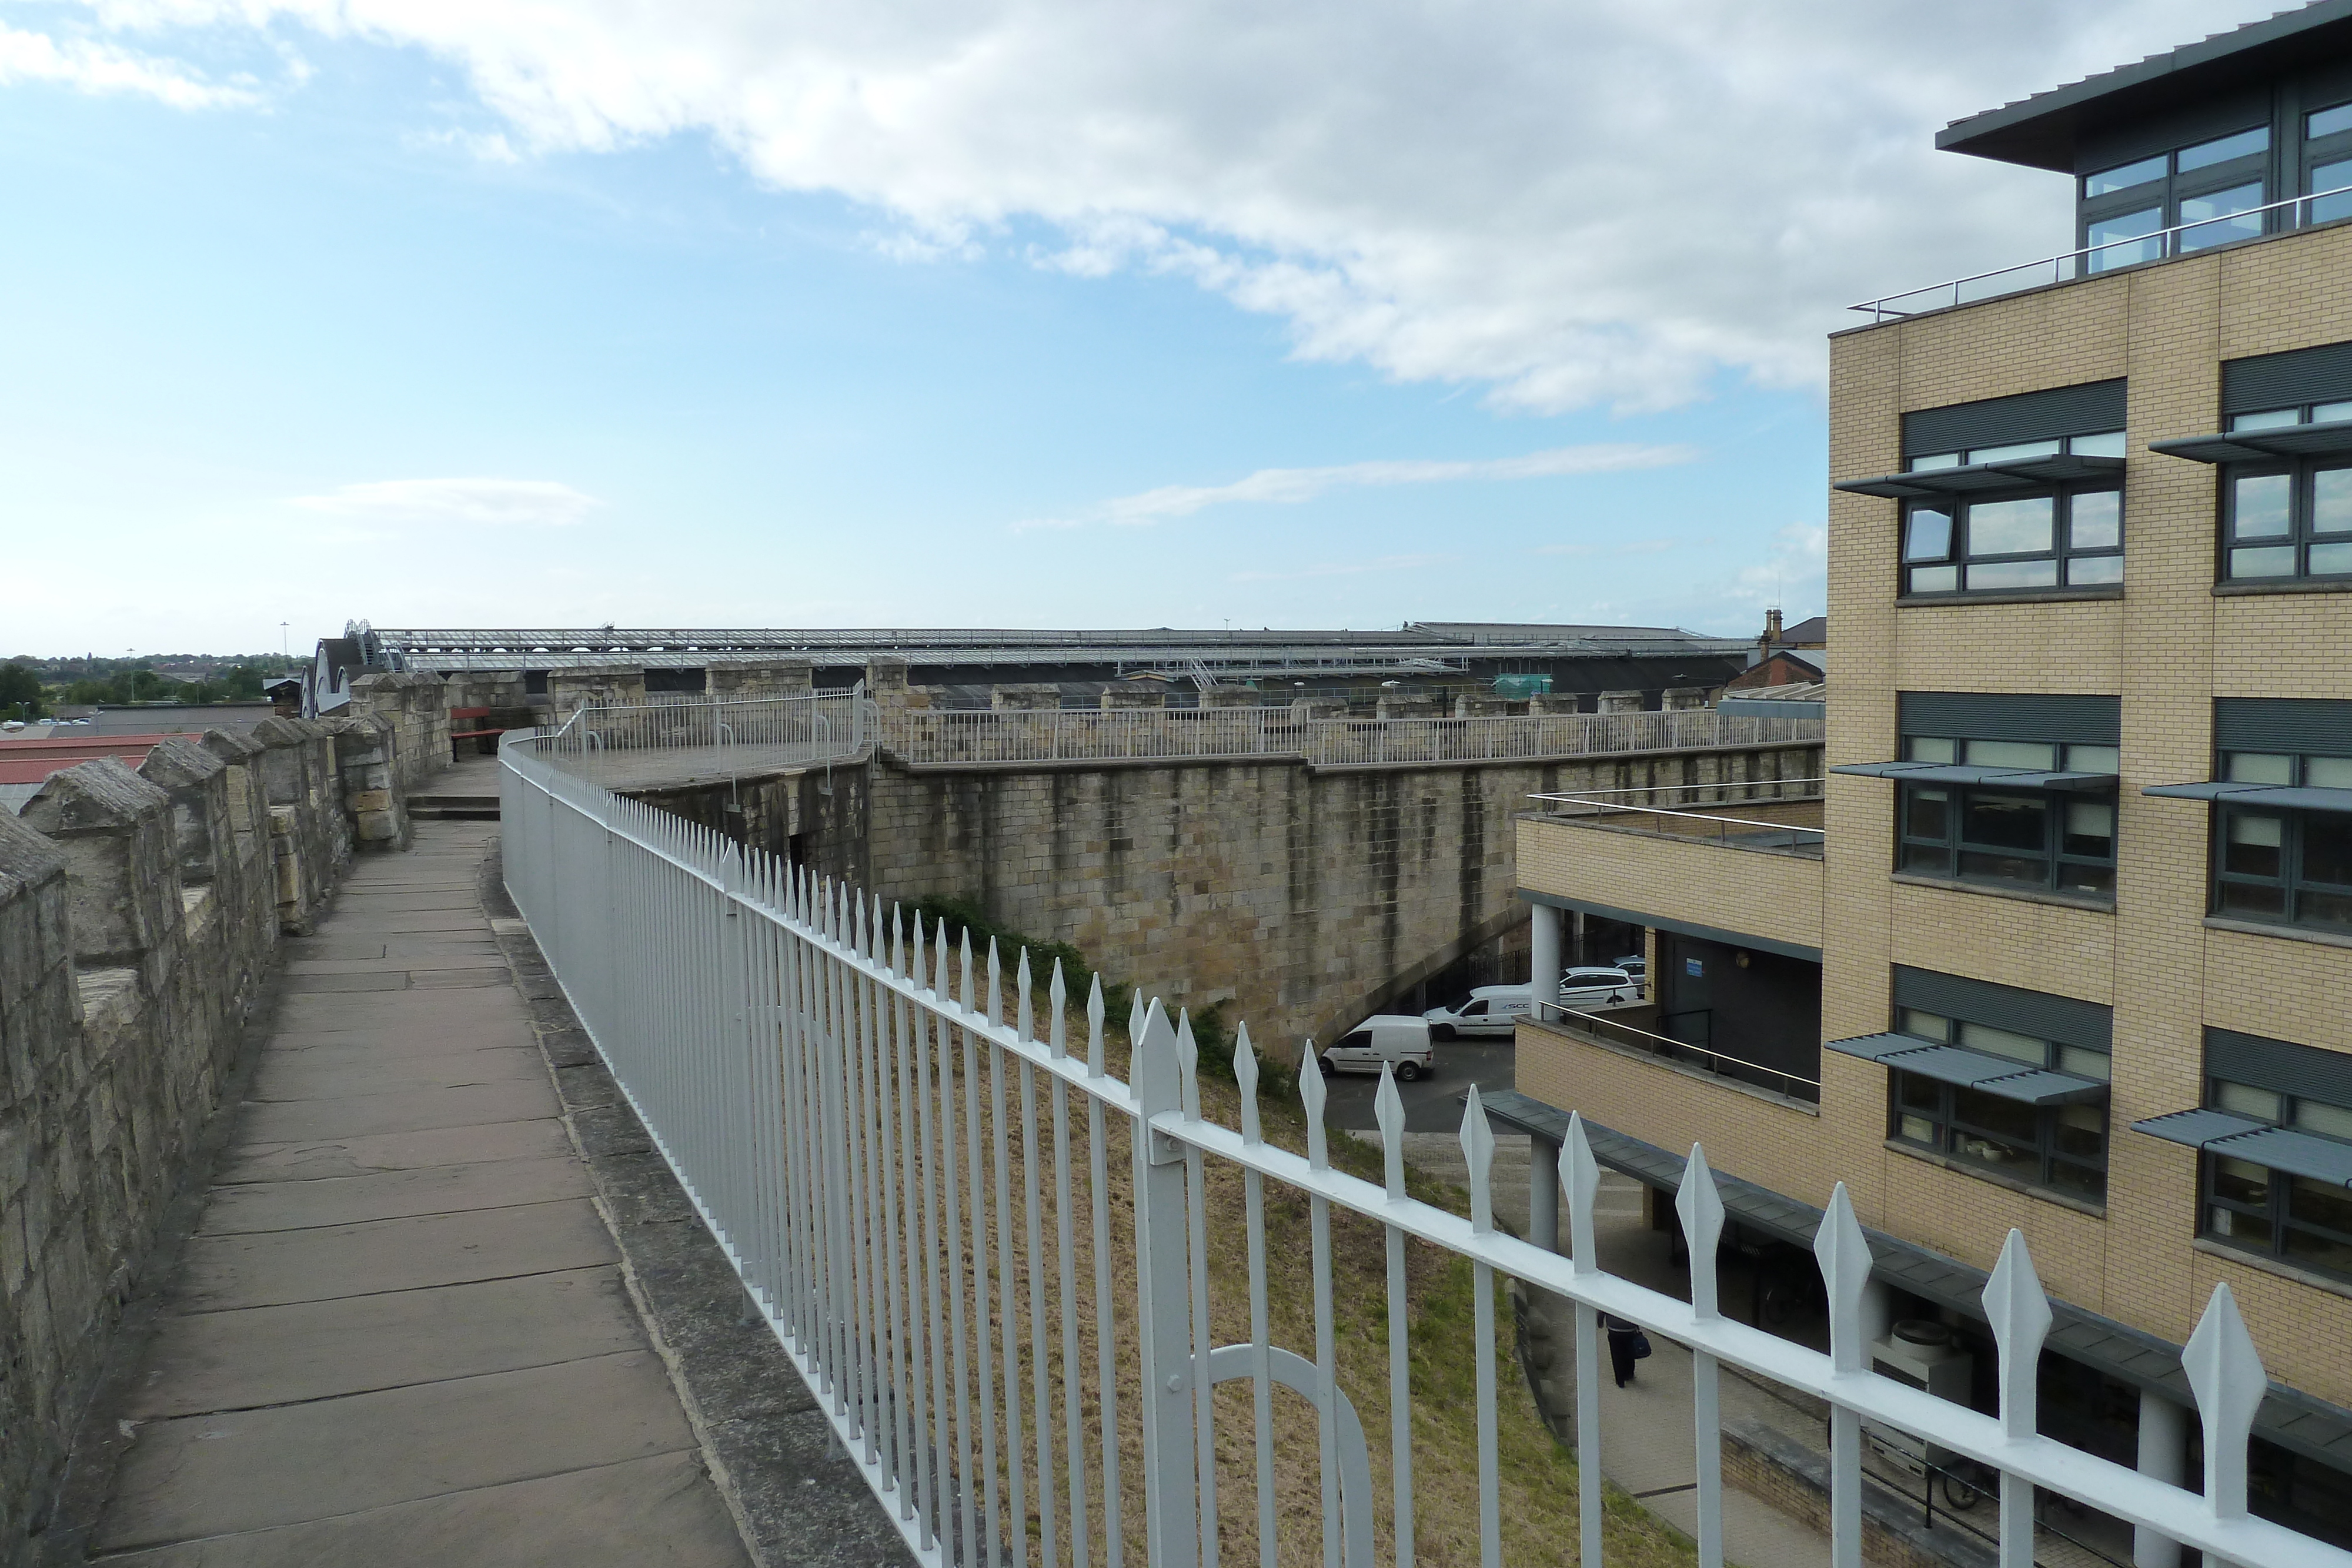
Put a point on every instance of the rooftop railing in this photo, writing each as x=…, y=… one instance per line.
x=932, y=737
x=1704, y=825
x=2086, y=261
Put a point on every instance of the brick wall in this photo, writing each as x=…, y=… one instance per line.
x=2168, y=647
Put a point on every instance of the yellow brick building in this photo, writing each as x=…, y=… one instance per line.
x=2079, y=915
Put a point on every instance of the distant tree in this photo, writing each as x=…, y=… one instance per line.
x=20, y=693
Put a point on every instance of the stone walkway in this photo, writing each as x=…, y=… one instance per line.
x=401, y=1333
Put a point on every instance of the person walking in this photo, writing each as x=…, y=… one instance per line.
x=1627, y=1344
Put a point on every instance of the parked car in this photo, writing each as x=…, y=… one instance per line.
x=1633, y=964
x=1384, y=1038
x=1598, y=986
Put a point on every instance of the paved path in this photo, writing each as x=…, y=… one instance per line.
x=401, y=1334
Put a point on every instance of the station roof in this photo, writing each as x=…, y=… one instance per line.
x=2042, y=132
x=1416, y=648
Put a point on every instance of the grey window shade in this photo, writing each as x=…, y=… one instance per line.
x=2273, y=380
x=2084, y=410
x=1998, y=716
x=2301, y=1069
x=2310, y=726
x=2038, y=1013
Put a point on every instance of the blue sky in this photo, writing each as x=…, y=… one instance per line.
x=319, y=318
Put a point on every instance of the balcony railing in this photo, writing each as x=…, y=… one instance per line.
x=1669, y=1047
x=2158, y=244
x=1587, y=807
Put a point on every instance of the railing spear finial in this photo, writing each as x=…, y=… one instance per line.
x=2225, y=1373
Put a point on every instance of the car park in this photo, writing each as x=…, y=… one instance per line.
x=1383, y=1040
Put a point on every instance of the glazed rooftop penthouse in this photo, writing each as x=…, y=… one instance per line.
x=2227, y=142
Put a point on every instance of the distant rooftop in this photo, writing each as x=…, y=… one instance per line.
x=1428, y=646
x=2043, y=131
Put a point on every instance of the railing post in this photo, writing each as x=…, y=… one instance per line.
x=1161, y=1304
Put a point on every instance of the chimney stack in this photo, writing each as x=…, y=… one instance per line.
x=1772, y=627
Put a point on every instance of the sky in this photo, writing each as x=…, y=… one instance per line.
x=487, y=313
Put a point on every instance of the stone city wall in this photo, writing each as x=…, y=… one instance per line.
x=417, y=707
x=140, y=913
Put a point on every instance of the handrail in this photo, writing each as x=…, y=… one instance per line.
x=1697, y=816
x=1654, y=788
x=1880, y=311
x=1670, y=1044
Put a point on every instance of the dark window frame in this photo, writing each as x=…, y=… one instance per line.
x=2274, y=1211
x=2167, y=192
x=2293, y=887
x=1944, y=1107
x=2302, y=480
x=1916, y=853
x=2313, y=153
x=1957, y=558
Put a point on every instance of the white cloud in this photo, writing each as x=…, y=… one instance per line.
x=1563, y=201
x=97, y=68
x=1292, y=486
x=489, y=503
x=1348, y=569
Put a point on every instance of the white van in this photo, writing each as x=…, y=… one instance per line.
x=1490, y=1009
x=1382, y=1038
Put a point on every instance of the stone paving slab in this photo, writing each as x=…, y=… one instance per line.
x=454, y=920
x=377, y=963
x=390, y=1044
x=646, y=1513
x=390, y=1195
x=245, y=1470
x=386, y=977
x=403, y=900
x=414, y=1110
x=339, y=1072
x=313, y=1159
x=314, y=1349
x=416, y=1252
x=315, y=1015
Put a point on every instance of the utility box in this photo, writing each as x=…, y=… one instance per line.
x=1923, y=1353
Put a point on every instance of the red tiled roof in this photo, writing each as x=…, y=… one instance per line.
x=30, y=761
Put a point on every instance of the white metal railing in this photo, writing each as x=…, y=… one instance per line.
x=1795, y=1085
x=923, y=737
x=1702, y=825
x=2079, y=262
x=812, y=1066
x=763, y=732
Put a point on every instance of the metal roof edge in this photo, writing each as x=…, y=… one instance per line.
x=1990, y=125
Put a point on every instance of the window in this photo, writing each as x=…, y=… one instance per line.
x=2062, y=1147
x=2294, y=1218
x=2327, y=163
x=2286, y=520
x=2208, y=192
x=2020, y=838
x=2060, y=537
x=2291, y=867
